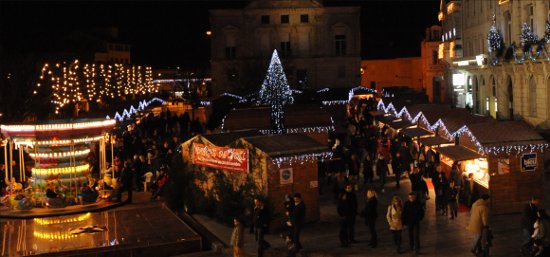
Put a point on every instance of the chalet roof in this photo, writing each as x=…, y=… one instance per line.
x=223, y=139
x=296, y=116
x=458, y=153
x=435, y=140
x=416, y=132
x=286, y=144
x=502, y=133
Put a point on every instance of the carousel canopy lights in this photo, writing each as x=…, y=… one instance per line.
x=31, y=143
x=50, y=221
x=56, y=171
x=310, y=157
x=335, y=102
x=60, y=154
x=439, y=124
x=59, y=126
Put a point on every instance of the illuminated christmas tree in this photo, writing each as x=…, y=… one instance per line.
x=496, y=43
x=527, y=36
x=276, y=92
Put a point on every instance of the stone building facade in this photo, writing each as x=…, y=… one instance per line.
x=504, y=88
x=319, y=46
x=423, y=74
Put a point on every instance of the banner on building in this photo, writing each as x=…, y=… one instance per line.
x=222, y=158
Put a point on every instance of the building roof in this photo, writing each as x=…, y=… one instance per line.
x=502, y=133
x=296, y=116
x=223, y=139
x=435, y=140
x=416, y=132
x=286, y=144
x=458, y=153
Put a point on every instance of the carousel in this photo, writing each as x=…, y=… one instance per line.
x=47, y=164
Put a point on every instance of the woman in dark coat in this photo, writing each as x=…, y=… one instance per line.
x=371, y=213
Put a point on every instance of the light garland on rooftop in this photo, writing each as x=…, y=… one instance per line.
x=352, y=91
x=127, y=113
x=439, y=124
x=54, y=235
x=310, y=157
x=320, y=129
x=334, y=102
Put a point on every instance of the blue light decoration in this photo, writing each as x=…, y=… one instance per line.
x=276, y=92
x=439, y=124
x=127, y=113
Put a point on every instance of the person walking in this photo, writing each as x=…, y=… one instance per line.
x=479, y=219
x=541, y=234
x=343, y=208
x=259, y=226
x=397, y=166
x=297, y=217
x=127, y=177
x=528, y=219
x=394, y=218
x=371, y=214
x=382, y=170
x=413, y=213
x=453, y=200
x=237, y=239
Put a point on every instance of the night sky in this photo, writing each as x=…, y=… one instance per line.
x=172, y=33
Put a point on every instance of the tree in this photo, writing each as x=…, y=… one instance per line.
x=494, y=38
x=528, y=37
x=276, y=92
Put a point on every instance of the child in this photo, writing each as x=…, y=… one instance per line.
x=237, y=239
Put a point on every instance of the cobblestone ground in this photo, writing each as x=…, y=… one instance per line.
x=440, y=236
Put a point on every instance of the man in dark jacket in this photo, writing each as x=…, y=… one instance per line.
x=397, y=166
x=413, y=213
x=347, y=210
x=297, y=217
x=528, y=218
x=259, y=225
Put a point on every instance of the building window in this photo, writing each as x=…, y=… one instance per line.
x=304, y=18
x=435, y=57
x=532, y=97
x=341, y=71
x=265, y=19
x=284, y=19
x=285, y=48
x=230, y=52
x=530, y=16
x=340, y=43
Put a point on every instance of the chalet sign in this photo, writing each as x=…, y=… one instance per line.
x=528, y=162
x=222, y=158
